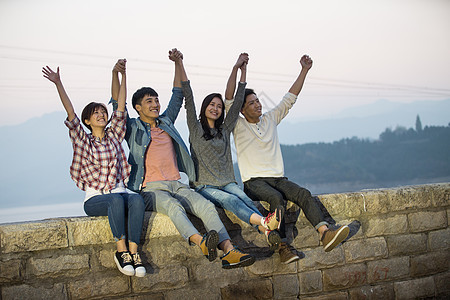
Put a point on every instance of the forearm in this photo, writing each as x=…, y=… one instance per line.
x=65, y=101
x=122, y=93
x=115, y=85
x=231, y=84
x=177, y=77
x=298, y=83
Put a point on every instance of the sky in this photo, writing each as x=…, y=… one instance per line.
x=363, y=51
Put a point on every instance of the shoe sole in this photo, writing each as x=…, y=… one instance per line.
x=212, y=240
x=292, y=259
x=338, y=238
x=280, y=215
x=274, y=240
x=121, y=269
x=139, y=273
x=244, y=263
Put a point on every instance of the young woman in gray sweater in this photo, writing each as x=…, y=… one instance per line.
x=209, y=136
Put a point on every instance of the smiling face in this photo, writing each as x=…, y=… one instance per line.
x=99, y=118
x=95, y=115
x=148, y=108
x=214, y=110
x=252, y=108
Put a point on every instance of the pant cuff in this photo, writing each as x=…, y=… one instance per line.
x=321, y=224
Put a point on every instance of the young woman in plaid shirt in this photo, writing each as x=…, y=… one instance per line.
x=100, y=168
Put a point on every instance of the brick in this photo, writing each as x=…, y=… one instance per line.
x=317, y=258
x=307, y=237
x=255, y=289
x=33, y=236
x=213, y=271
x=376, y=201
x=355, y=204
x=97, y=286
x=89, y=231
x=408, y=197
x=193, y=292
x=157, y=225
x=55, y=291
x=169, y=250
x=406, y=244
x=439, y=239
x=387, y=269
x=344, y=277
x=170, y=277
x=367, y=249
x=106, y=258
x=310, y=282
x=329, y=296
x=414, y=289
x=156, y=296
x=387, y=225
x=440, y=194
x=335, y=204
x=271, y=266
x=427, y=220
x=55, y=265
x=373, y=292
x=430, y=263
x=442, y=284
x=285, y=286
x=10, y=271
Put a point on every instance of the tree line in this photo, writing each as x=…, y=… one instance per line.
x=398, y=155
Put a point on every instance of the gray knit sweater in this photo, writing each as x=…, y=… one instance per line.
x=212, y=158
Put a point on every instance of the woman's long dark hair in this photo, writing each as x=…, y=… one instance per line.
x=204, y=121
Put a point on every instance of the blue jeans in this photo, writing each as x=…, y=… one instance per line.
x=231, y=198
x=174, y=199
x=118, y=206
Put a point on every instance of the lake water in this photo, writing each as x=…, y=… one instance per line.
x=33, y=213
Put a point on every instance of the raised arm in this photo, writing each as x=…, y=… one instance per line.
x=123, y=87
x=119, y=67
x=56, y=79
x=241, y=63
x=306, y=63
x=180, y=73
x=174, y=106
x=232, y=111
x=177, y=57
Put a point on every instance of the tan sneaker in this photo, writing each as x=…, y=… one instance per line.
x=333, y=237
x=287, y=254
x=235, y=258
x=209, y=245
x=272, y=222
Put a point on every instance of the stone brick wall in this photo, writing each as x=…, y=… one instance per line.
x=400, y=252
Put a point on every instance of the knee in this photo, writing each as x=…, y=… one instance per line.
x=116, y=200
x=174, y=208
x=137, y=202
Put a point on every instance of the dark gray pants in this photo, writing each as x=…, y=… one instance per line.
x=274, y=190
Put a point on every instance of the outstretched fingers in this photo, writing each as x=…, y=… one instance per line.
x=50, y=74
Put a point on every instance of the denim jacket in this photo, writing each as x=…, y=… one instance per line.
x=138, y=138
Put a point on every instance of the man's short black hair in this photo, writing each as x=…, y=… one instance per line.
x=140, y=94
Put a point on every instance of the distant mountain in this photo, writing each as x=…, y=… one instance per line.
x=35, y=160
x=36, y=155
x=366, y=121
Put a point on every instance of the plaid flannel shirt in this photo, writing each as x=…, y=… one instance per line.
x=99, y=164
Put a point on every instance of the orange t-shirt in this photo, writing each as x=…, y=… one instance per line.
x=160, y=159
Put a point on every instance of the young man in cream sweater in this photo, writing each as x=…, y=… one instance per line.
x=261, y=164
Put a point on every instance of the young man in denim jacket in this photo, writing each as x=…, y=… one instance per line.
x=157, y=155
